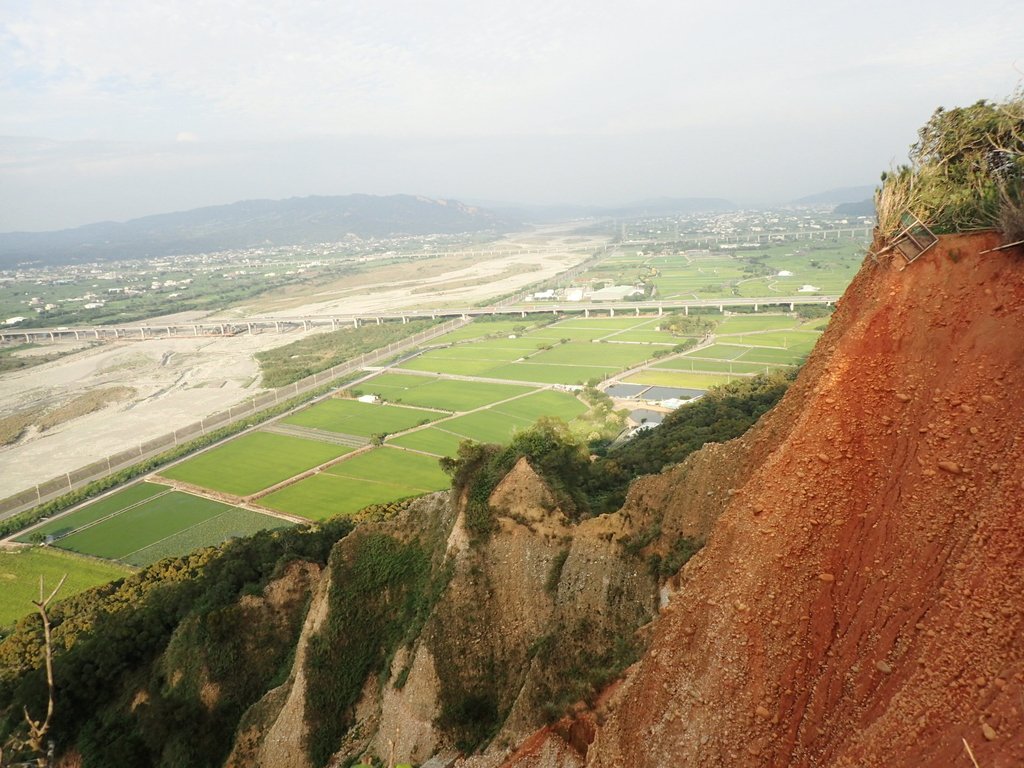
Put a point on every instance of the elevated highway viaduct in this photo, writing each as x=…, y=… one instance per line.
x=255, y=324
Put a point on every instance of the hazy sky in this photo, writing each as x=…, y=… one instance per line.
x=110, y=110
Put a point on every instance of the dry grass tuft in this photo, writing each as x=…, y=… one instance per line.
x=83, y=405
x=13, y=427
x=966, y=172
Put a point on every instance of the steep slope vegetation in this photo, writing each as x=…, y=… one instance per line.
x=859, y=601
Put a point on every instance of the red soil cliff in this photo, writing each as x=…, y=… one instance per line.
x=860, y=601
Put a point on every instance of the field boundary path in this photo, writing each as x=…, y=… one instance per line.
x=313, y=433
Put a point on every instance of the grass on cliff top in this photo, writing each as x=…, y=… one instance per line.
x=966, y=172
x=20, y=571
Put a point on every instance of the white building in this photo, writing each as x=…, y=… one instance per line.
x=14, y=320
x=574, y=294
x=615, y=293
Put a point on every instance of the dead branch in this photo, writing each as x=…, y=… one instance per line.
x=37, y=730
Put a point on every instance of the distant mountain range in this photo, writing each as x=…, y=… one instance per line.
x=839, y=195
x=863, y=208
x=248, y=224
x=661, y=206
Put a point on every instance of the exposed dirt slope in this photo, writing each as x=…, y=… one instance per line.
x=860, y=601
x=521, y=625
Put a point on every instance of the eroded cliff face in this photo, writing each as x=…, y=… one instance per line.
x=860, y=600
x=510, y=632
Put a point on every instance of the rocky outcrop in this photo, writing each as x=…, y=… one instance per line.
x=273, y=731
x=859, y=601
x=526, y=621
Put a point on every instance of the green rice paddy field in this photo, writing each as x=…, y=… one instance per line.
x=377, y=476
x=130, y=497
x=253, y=462
x=494, y=425
x=147, y=522
x=444, y=394
x=352, y=417
x=827, y=265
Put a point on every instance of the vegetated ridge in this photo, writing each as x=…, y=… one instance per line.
x=250, y=223
x=838, y=196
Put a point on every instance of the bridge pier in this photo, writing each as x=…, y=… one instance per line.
x=378, y=321
x=465, y=316
x=686, y=310
x=97, y=332
x=586, y=313
x=222, y=330
x=755, y=307
x=405, y=320
x=792, y=306
x=76, y=335
x=334, y=323
x=249, y=327
x=169, y=331
x=142, y=331
x=195, y=330
x=305, y=325
x=355, y=322
x=277, y=326
x=638, y=311
x=524, y=313
x=611, y=311
x=721, y=308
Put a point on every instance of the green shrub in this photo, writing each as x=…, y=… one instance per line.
x=382, y=591
x=966, y=172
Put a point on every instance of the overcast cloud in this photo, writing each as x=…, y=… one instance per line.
x=113, y=109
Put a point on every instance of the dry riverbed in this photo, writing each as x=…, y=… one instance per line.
x=163, y=383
